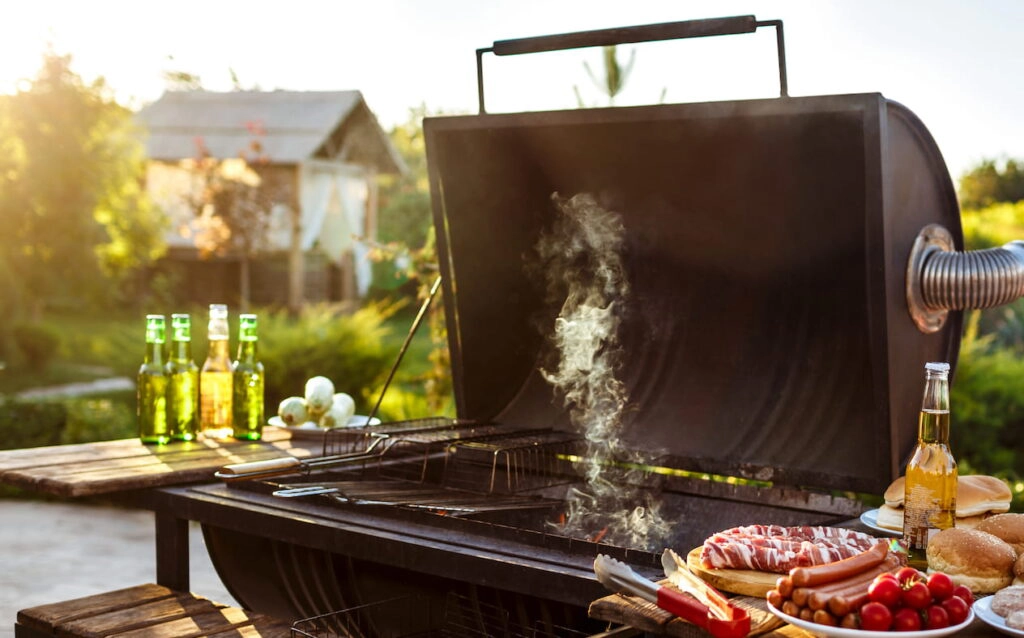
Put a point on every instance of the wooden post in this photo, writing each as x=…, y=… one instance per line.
x=172, y=559
x=296, y=262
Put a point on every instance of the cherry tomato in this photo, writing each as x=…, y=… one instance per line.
x=962, y=591
x=908, y=575
x=957, y=609
x=906, y=619
x=940, y=585
x=885, y=590
x=874, y=616
x=916, y=596
x=936, y=617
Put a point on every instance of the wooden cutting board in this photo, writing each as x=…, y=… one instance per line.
x=745, y=582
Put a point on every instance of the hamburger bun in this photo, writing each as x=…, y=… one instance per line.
x=976, y=494
x=1018, y=571
x=979, y=560
x=1009, y=527
x=892, y=518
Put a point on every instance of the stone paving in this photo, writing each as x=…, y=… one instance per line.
x=52, y=551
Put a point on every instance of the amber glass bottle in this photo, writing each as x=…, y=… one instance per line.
x=215, y=378
x=930, y=497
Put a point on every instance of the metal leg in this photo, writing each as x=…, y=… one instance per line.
x=172, y=558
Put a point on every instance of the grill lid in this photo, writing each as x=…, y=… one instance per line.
x=766, y=332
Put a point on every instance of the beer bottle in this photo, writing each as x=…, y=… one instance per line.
x=931, y=481
x=215, y=378
x=247, y=399
x=151, y=385
x=183, y=382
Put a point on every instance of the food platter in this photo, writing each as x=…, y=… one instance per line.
x=745, y=582
x=870, y=519
x=311, y=430
x=841, y=632
x=983, y=608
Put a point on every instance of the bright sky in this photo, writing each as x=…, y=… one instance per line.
x=958, y=64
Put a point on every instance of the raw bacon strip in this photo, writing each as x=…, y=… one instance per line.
x=806, y=532
x=775, y=548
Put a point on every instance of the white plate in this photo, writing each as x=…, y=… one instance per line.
x=870, y=519
x=840, y=632
x=310, y=428
x=983, y=607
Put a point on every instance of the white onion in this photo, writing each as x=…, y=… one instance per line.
x=293, y=411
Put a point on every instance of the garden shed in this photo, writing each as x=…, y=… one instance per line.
x=324, y=151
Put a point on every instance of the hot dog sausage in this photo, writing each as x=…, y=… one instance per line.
x=785, y=586
x=829, y=572
x=819, y=596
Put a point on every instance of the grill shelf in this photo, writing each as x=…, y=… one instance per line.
x=409, y=616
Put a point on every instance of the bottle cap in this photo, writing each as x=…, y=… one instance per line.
x=218, y=311
x=181, y=327
x=937, y=366
x=156, y=327
x=247, y=328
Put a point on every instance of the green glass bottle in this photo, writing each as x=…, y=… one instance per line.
x=151, y=385
x=247, y=384
x=183, y=382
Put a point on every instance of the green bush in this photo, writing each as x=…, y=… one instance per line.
x=37, y=344
x=987, y=432
x=100, y=419
x=348, y=349
x=27, y=424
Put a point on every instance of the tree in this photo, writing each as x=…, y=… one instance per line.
x=989, y=183
x=405, y=199
x=76, y=218
x=234, y=205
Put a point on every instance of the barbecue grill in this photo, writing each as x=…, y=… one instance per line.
x=664, y=321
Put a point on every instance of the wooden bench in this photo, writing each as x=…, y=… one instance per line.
x=144, y=611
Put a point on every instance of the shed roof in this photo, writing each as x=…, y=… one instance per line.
x=292, y=126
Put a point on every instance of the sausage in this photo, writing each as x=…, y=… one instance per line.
x=842, y=604
x=819, y=596
x=850, y=621
x=806, y=614
x=822, y=617
x=785, y=586
x=840, y=569
x=790, y=608
x=775, y=599
x=800, y=595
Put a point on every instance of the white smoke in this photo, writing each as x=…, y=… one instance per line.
x=582, y=258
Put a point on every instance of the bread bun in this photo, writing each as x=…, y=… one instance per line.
x=890, y=518
x=976, y=559
x=976, y=495
x=1018, y=567
x=1009, y=527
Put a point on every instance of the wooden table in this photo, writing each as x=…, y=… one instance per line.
x=116, y=467
x=130, y=472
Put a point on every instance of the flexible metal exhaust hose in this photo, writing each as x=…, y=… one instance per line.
x=973, y=279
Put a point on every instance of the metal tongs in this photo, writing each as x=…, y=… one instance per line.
x=720, y=620
x=291, y=465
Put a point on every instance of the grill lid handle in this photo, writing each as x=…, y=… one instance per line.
x=627, y=35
